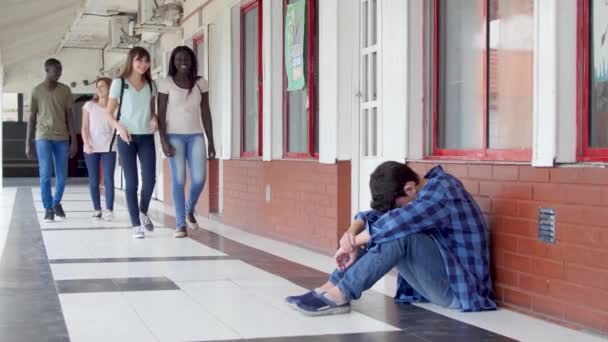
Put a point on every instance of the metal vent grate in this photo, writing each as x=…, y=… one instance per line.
x=546, y=225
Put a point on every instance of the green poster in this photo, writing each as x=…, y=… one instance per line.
x=294, y=45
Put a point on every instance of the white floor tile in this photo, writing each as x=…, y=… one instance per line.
x=68, y=196
x=517, y=326
x=72, y=206
x=107, y=270
x=120, y=244
x=120, y=221
x=174, y=316
x=120, y=215
x=235, y=307
x=183, y=271
x=103, y=317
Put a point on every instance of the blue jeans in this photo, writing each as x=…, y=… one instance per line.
x=52, y=154
x=108, y=164
x=190, y=148
x=142, y=147
x=417, y=259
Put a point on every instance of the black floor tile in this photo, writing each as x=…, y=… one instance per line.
x=115, y=285
x=29, y=304
x=86, y=285
x=393, y=336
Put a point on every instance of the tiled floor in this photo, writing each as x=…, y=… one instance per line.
x=81, y=280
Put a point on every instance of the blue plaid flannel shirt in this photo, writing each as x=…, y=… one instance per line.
x=445, y=211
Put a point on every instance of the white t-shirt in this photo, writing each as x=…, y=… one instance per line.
x=183, y=109
x=100, y=132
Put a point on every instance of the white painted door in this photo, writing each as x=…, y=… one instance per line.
x=370, y=109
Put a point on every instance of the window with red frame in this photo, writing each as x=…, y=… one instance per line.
x=593, y=137
x=251, y=79
x=483, y=79
x=301, y=107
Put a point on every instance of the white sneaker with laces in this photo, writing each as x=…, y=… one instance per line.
x=108, y=215
x=138, y=232
x=146, y=222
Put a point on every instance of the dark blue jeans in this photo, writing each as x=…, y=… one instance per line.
x=417, y=259
x=108, y=164
x=142, y=147
x=52, y=154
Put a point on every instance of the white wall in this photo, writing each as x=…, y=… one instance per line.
x=394, y=77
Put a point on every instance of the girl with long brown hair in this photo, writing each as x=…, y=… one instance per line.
x=134, y=95
x=96, y=137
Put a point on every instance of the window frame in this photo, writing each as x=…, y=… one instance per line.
x=311, y=154
x=585, y=153
x=244, y=9
x=483, y=154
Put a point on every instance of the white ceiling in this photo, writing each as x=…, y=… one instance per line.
x=34, y=30
x=90, y=29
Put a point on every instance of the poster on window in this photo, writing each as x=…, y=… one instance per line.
x=600, y=40
x=294, y=45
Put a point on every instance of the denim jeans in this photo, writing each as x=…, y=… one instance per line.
x=52, y=154
x=108, y=164
x=142, y=147
x=416, y=257
x=190, y=148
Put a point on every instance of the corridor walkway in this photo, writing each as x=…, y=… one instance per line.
x=83, y=280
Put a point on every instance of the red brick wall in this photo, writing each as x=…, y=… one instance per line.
x=566, y=281
x=209, y=199
x=309, y=203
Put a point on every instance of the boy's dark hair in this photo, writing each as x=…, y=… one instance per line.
x=51, y=62
x=386, y=184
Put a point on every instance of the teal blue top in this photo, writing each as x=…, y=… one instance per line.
x=135, y=109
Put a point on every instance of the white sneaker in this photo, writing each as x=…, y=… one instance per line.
x=191, y=221
x=138, y=232
x=146, y=222
x=96, y=216
x=108, y=215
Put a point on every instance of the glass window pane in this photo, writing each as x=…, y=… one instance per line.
x=298, y=121
x=510, y=102
x=298, y=101
x=364, y=77
x=365, y=133
x=373, y=132
x=461, y=87
x=373, y=22
x=200, y=57
x=374, y=76
x=364, y=19
x=370, y=132
x=598, y=101
x=251, y=79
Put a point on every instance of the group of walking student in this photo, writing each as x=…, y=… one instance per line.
x=122, y=117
